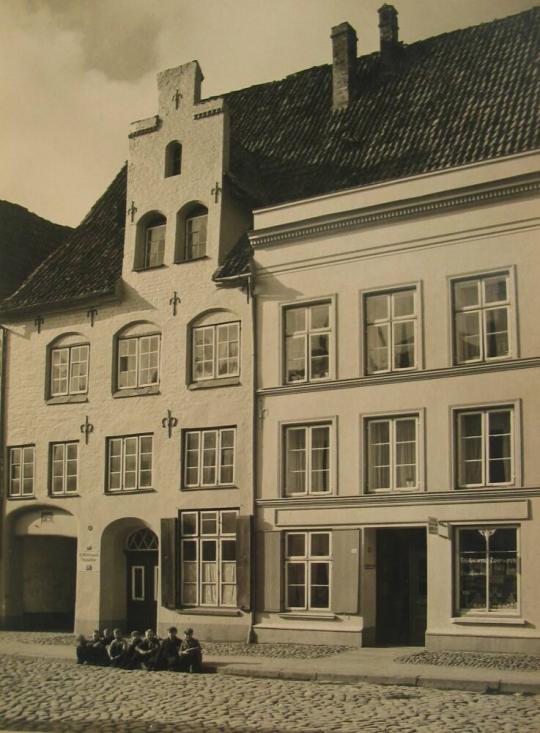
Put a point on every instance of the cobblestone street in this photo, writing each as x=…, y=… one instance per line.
x=57, y=695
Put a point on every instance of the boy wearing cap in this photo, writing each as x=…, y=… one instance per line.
x=170, y=648
x=190, y=659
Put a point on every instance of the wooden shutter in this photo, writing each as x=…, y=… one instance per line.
x=269, y=559
x=345, y=570
x=170, y=567
x=243, y=562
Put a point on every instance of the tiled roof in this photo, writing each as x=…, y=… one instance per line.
x=451, y=100
x=457, y=98
x=88, y=264
x=237, y=261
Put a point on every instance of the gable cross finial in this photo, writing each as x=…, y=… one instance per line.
x=132, y=211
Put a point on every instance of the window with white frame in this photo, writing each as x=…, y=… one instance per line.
x=154, y=248
x=216, y=351
x=485, y=447
x=209, y=457
x=481, y=318
x=64, y=468
x=392, y=453
x=69, y=370
x=307, y=342
x=21, y=471
x=209, y=558
x=307, y=456
x=196, y=227
x=487, y=569
x=129, y=463
x=138, y=361
x=391, y=331
x=307, y=570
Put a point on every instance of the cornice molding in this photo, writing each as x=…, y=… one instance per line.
x=422, y=206
x=208, y=113
x=457, y=496
x=151, y=125
x=444, y=373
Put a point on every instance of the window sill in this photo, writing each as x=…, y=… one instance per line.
x=198, y=611
x=487, y=487
x=66, y=399
x=193, y=259
x=221, y=487
x=306, y=382
x=64, y=496
x=212, y=383
x=309, y=497
x=130, y=492
x=148, y=269
x=309, y=615
x=491, y=620
x=136, y=392
x=20, y=498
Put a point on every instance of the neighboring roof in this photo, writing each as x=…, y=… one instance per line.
x=458, y=98
x=237, y=261
x=26, y=239
x=88, y=264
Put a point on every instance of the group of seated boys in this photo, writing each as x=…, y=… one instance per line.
x=141, y=652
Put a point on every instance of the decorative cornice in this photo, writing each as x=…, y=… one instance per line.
x=393, y=377
x=208, y=113
x=391, y=212
x=420, y=498
x=151, y=125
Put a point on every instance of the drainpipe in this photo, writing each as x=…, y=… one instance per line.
x=3, y=347
x=251, y=290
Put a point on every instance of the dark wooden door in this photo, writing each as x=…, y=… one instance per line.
x=142, y=569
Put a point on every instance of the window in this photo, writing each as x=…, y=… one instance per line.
x=138, y=361
x=390, y=331
x=195, y=236
x=69, y=370
x=155, y=246
x=209, y=457
x=21, y=471
x=307, y=342
x=129, y=463
x=307, y=570
x=173, y=159
x=64, y=468
x=307, y=459
x=487, y=570
x=392, y=453
x=481, y=318
x=209, y=558
x=216, y=351
x=485, y=447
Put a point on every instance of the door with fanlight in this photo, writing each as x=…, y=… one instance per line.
x=142, y=580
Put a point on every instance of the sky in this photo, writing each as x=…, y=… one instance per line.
x=75, y=73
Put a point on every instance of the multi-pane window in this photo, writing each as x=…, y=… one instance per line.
x=21, y=471
x=154, y=248
x=209, y=558
x=307, y=342
x=307, y=459
x=390, y=331
x=209, y=457
x=129, y=463
x=485, y=447
x=69, y=370
x=307, y=570
x=487, y=569
x=196, y=236
x=64, y=468
x=481, y=318
x=392, y=453
x=216, y=351
x=138, y=361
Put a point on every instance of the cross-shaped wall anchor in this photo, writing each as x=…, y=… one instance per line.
x=86, y=429
x=174, y=302
x=176, y=98
x=38, y=322
x=169, y=422
x=91, y=314
x=132, y=211
x=216, y=191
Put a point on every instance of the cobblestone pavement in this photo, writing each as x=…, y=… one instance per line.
x=522, y=662
x=59, y=696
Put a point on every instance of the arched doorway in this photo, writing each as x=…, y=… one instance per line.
x=142, y=579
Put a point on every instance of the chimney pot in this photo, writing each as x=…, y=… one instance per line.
x=343, y=64
x=388, y=27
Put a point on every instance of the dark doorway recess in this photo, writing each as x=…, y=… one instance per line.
x=401, y=586
x=142, y=582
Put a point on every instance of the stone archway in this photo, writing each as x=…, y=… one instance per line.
x=42, y=569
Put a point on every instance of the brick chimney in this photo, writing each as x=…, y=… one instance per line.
x=343, y=64
x=388, y=27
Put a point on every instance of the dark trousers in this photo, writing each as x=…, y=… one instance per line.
x=190, y=662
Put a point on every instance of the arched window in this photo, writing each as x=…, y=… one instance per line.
x=173, y=159
x=215, y=347
x=150, y=244
x=68, y=366
x=138, y=357
x=191, y=232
